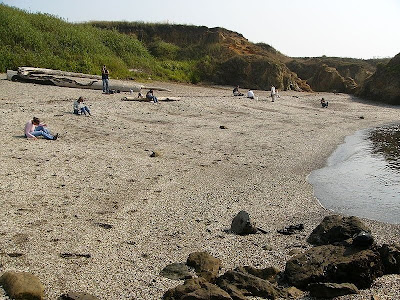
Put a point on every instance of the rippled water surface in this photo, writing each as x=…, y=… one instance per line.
x=362, y=176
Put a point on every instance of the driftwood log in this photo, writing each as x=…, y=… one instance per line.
x=70, y=79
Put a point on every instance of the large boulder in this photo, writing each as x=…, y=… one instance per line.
x=336, y=229
x=205, y=265
x=196, y=288
x=22, y=285
x=242, y=224
x=241, y=284
x=390, y=255
x=330, y=290
x=337, y=264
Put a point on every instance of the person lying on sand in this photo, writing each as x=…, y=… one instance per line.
x=34, y=129
x=80, y=107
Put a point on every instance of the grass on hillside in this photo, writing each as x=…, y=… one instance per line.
x=42, y=40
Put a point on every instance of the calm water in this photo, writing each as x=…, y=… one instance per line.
x=362, y=177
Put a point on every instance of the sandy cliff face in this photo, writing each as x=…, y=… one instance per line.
x=384, y=85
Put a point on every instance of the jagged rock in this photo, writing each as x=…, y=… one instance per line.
x=205, y=265
x=390, y=255
x=336, y=229
x=384, y=84
x=22, y=285
x=77, y=296
x=176, y=271
x=196, y=288
x=240, y=284
x=338, y=264
x=363, y=239
x=242, y=224
x=330, y=290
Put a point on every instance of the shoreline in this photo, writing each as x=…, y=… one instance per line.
x=99, y=171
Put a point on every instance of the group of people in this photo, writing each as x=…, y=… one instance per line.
x=250, y=93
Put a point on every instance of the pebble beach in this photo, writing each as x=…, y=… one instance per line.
x=96, y=212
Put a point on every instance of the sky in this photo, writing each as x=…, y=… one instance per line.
x=297, y=28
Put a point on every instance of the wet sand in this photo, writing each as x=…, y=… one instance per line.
x=59, y=196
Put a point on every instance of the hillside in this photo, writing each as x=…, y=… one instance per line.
x=179, y=53
x=384, y=85
x=223, y=56
x=42, y=40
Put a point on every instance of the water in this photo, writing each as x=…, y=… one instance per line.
x=362, y=177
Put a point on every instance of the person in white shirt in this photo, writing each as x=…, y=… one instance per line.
x=250, y=94
x=273, y=93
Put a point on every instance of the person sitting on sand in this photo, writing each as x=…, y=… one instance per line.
x=34, y=129
x=324, y=103
x=80, y=108
x=150, y=96
x=250, y=94
x=139, y=95
x=236, y=91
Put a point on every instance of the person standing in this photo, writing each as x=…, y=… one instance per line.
x=34, y=128
x=273, y=93
x=104, y=76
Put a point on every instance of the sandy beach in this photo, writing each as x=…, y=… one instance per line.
x=97, y=192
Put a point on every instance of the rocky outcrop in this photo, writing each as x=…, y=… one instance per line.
x=330, y=290
x=196, y=288
x=338, y=264
x=390, y=255
x=336, y=229
x=205, y=265
x=384, y=85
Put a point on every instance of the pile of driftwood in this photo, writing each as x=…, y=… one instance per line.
x=70, y=79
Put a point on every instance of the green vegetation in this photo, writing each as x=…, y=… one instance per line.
x=45, y=41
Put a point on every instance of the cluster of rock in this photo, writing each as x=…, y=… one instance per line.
x=344, y=259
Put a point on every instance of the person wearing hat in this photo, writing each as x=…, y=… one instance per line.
x=80, y=107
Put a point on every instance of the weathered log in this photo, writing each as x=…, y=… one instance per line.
x=144, y=99
x=31, y=70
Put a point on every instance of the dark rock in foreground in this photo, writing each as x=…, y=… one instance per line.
x=330, y=290
x=22, y=285
x=338, y=264
x=205, y=265
x=336, y=229
x=196, y=288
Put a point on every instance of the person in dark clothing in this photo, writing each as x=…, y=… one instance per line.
x=104, y=77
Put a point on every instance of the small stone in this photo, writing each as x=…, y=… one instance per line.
x=155, y=154
x=206, y=266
